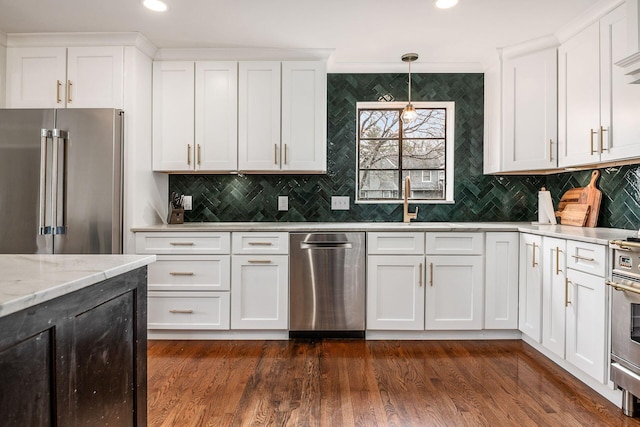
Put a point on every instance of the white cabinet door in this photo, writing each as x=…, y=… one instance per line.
x=95, y=77
x=259, y=292
x=304, y=110
x=36, y=77
x=173, y=112
x=259, y=116
x=579, y=98
x=501, y=280
x=620, y=101
x=586, y=323
x=216, y=116
x=530, y=286
x=493, y=119
x=454, y=294
x=395, y=292
x=529, y=107
x=554, y=292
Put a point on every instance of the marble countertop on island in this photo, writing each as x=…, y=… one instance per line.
x=28, y=280
x=599, y=235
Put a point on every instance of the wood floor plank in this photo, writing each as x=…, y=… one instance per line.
x=366, y=383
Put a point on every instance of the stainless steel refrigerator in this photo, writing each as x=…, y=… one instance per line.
x=61, y=181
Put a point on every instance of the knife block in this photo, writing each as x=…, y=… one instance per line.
x=176, y=215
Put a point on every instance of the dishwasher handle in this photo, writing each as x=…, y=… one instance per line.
x=326, y=245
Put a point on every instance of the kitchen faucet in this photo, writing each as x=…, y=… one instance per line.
x=408, y=216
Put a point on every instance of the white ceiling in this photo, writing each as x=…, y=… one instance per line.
x=361, y=32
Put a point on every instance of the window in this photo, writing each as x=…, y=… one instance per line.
x=389, y=151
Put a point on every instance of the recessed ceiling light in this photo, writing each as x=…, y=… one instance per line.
x=155, y=5
x=446, y=4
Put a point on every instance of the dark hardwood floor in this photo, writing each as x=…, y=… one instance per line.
x=366, y=383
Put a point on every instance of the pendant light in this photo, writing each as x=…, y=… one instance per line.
x=409, y=113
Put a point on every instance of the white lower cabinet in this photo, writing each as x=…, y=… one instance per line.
x=395, y=292
x=188, y=310
x=501, y=280
x=259, y=292
x=530, y=287
x=554, y=294
x=454, y=294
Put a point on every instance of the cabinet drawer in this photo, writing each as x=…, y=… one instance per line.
x=587, y=257
x=190, y=273
x=188, y=310
x=183, y=243
x=403, y=243
x=260, y=243
x=451, y=243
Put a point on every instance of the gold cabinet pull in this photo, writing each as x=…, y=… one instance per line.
x=58, y=99
x=558, y=260
x=602, y=131
x=592, y=150
x=259, y=261
x=285, y=154
x=260, y=244
x=581, y=258
x=551, y=150
x=177, y=311
x=189, y=154
x=181, y=273
x=431, y=274
x=181, y=243
x=69, y=91
x=566, y=292
x=533, y=256
x=420, y=276
x=275, y=154
x=198, y=154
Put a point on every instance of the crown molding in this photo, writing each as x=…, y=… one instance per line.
x=241, y=54
x=401, y=67
x=81, y=39
x=582, y=21
x=530, y=46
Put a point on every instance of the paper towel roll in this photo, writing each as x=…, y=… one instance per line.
x=546, y=214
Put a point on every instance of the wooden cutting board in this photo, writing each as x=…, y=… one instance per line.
x=592, y=197
x=571, y=196
x=575, y=214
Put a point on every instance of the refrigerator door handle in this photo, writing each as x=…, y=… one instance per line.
x=43, y=227
x=57, y=181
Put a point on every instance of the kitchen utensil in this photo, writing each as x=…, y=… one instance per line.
x=575, y=214
x=593, y=197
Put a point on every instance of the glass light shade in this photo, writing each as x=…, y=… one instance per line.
x=409, y=114
x=446, y=4
x=155, y=5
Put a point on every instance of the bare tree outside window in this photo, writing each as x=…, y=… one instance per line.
x=388, y=151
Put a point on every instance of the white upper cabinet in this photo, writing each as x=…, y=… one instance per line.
x=529, y=133
x=216, y=125
x=620, y=101
x=282, y=116
x=75, y=77
x=493, y=119
x=598, y=109
x=304, y=116
x=173, y=113
x=259, y=116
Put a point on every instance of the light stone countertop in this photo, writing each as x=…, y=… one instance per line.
x=28, y=280
x=584, y=234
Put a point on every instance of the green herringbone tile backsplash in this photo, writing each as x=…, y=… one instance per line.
x=477, y=197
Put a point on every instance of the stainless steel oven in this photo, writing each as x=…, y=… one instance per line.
x=625, y=322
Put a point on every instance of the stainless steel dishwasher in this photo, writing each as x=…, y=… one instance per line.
x=327, y=285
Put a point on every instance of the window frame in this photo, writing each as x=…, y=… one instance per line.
x=449, y=106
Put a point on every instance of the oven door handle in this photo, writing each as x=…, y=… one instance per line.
x=621, y=287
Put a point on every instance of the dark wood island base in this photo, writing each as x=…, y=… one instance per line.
x=79, y=359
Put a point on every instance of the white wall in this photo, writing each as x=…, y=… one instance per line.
x=145, y=192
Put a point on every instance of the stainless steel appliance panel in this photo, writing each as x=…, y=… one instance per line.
x=90, y=195
x=327, y=282
x=20, y=164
